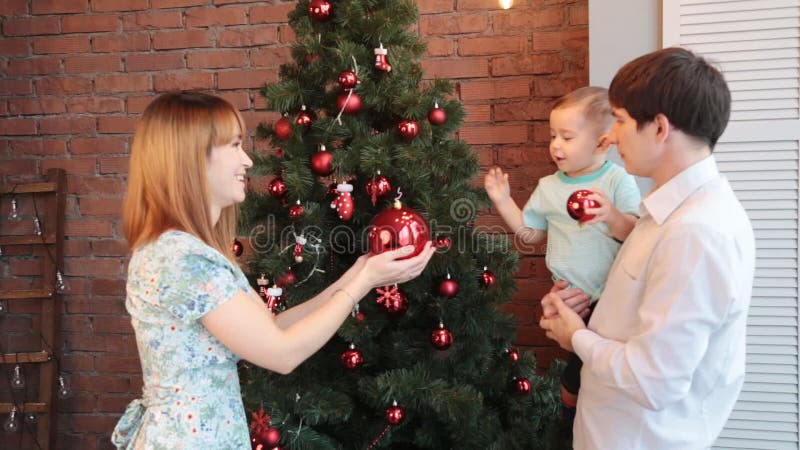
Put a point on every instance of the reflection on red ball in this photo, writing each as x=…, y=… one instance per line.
x=441, y=338
x=521, y=386
x=352, y=359
x=397, y=227
x=395, y=414
x=577, y=203
x=408, y=129
x=348, y=79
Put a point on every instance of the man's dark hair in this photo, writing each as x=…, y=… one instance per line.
x=679, y=84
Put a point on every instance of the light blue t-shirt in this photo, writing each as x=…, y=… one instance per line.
x=580, y=254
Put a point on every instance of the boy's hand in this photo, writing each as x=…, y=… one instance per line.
x=606, y=212
x=496, y=185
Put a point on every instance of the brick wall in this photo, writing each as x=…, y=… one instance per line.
x=76, y=75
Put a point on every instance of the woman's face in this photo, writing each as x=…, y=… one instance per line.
x=226, y=169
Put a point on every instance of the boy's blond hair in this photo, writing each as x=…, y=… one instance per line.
x=596, y=107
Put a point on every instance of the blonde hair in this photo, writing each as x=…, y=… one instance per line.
x=167, y=181
x=596, y=107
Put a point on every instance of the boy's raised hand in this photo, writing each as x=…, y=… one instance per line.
x=496, y=184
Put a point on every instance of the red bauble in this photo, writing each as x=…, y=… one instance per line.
x=448, y=288
x=393, y=300
x=513, y=354
x=312, y=58
x=344, y=201
x=352, y=359
x=378, y=187
x=304, y=118
x=270, y=437
x=237, y=248
x=350, y=105
x=348, y=79
x=487, y=278
x=320, y=10
x=395, y=414
x=408, y=129
x=577, y=203
x=287, y=279
x=283, y=128
x=277, y=188
x=441, y=338
x=360, y=316
x=296, y=211
x=437, y=116
x=521, y=385
x=322, y=162
x=443, y=243
x=396, y=227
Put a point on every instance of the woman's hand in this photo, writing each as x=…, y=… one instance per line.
x=386, y=268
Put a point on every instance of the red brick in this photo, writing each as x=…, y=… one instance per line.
x=494, y=134
x=119, y=5
x=15, y=47
x=153, y=61
x=95, y=105
x=95, y=383
x=439, y=47
x=59, y=7
x=13, y=7
x=119, y=364
x=78, y=404
x=10, y=127
x=456, y=68
x=92, y=64
x=499, y=88
x=152, y=20
x=239, y=99
x=270, y=56
x=527, y=110
x=137, y=105
x=116, y=124
x=183, y=80
x=528, y=64
x=478, y=113
x=94, y=186
x=22, y=267
x=75, y=362
x=127, y=42
x=98, y=305
x=238, y=79
x=34, y=66
x=579, y=15
x=113, y=165
x=39, y=147
x=114, y=404
x=167, y=40
x=522, y=156
x=271, y=14
x=467, y=5
x=75, y=322
x=529, y=20
x=113, y=325
x=74, y=166
x=248, y=37
x=286, y=34
x=67, y=125
x=97, y=145
x=92, y=266
x=16, y=87
x=18, y=167
x=177, y=3
x=453, y=24
x=90, y=23
x=557, y=87
x=30, y=26
x=561, y=40
x=101, y=207
x=61, y=44
x=109, y=286
x=435, y=6
x=216, y=59
x=122, y=83
x=74, y=247
x=491, y=45
x=228, y=2
x=208, y=17
x=63, y=85
x=36, y=105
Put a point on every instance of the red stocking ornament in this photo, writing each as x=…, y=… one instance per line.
x=380, y=59
x=344, y=201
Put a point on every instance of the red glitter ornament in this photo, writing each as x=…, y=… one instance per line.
x=277, y=188
x=441, y=338
x=395, y=414
x=408, y=129
x=352, y=359
x=577, y=204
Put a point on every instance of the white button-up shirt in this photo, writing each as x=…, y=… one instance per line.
x=664, y=352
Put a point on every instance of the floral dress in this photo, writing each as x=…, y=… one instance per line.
x=191, y=395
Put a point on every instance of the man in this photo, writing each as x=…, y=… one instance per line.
x=664, y=351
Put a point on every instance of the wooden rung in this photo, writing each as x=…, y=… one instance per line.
x=27, y=240
x=30, y=357
x=29, y=188
x=34, y=293
x=37, y=407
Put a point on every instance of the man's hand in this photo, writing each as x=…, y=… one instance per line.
x=563, y=321
x=574, y=298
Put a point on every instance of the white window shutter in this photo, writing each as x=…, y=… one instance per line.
x=756, y=44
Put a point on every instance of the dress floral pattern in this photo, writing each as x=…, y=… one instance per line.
x=191, y=395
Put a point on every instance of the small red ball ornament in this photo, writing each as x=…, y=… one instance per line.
x=441, y=338
x=283, y=128
x=521, y=385
x=395, y=414
x=408, y=129
x=320, y=10
x=270, y=437
x=351, y=358
x=437, y=116
x=348, y=79
x=487, y=278
x=513, y=354
x=287, y=279
x=322, y=162
x=237, y=248
x=378, y=187
x=397, y=227
x=448, y=287
x=277, y=188
x=296, y=211
x=304, y=118
x=443, y=243
x=577, y=204
x=349, y=103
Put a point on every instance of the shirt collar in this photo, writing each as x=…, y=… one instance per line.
x=666, y=199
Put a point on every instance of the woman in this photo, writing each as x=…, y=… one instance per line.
x=192, y=309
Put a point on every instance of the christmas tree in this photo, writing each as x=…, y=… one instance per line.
x=427, y=364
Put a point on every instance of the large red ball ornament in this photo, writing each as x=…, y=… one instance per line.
x=322, y=162
x=441, y=338
x=395, y=414
x=283, y=128
x=448, y=287
x=397, y=227
x=320, y=10
x=237, y=248
x=348, y=79
x=437, y=116
x=521, y=385
x=351, y=105
x=276, y=187
x=351, y=358
x=487, y=278
x=408, y=129
x=577, y=203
